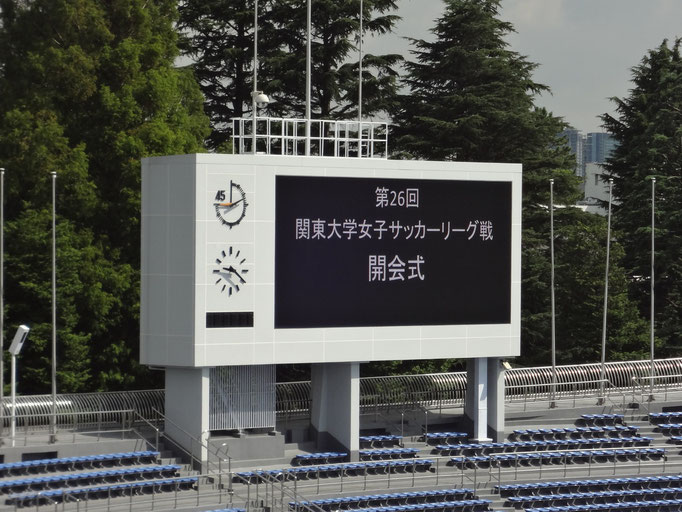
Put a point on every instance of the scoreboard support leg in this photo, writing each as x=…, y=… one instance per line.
x=187, y=395
x=484, y=403
x=496, y=399
x=335, y=406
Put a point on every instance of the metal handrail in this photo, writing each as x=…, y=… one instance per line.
x=444, y=390
x=193, y=440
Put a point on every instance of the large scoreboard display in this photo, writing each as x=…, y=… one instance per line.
x=367, y=252
x=261, y=260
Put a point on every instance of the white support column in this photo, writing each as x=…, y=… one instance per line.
x=335, y=406
x=477, y=397
x=187, y=395
x=496, y=398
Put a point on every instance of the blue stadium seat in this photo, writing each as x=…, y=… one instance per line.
x=447, y=437
x=72, y=463
x=319, y=458
x=387, y=453
x=380, y=441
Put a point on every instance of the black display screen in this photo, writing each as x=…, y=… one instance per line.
x=361, y=252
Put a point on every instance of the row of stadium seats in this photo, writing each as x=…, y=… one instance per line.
x=657, y=417
x=562, y=433
x=388, y=453
x=669, y=429
x=621, y=506
x=580, y=498
x=600, y=484
x=435, y=437
x=380, y=441
x=385, y=500
x=91, y=478
x=348, y=469
x=72, y=463
x=473, y=505
x=602, y=419
x=561, y=457
x=319, y=458
x=104, y=491
x=550, y=444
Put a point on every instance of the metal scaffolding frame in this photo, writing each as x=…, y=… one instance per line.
x=285, y=136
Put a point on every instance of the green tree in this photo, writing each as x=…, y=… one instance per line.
x=470, y=98
x=580, y=258
x=648, y=129
x=218, y=37
x=89, y=88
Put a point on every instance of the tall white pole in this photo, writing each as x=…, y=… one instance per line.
x=13, y=377
x=53, y=420
x=653, y=209
x=360, y=71
x=255, y=75
x=602, y=373
x=551, y=236
x=2, y=303
x=308, y=60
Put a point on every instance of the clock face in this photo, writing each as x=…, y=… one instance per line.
x=229, y=272
x=230, y=205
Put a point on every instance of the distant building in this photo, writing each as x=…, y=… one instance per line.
x=598, y=147
x=596, y=189
x=595, y=147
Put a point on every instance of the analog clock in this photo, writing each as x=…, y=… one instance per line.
x=230, y=205
x=229, y=272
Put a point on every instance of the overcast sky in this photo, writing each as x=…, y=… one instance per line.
x=585, y=48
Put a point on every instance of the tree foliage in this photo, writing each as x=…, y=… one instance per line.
x=218, y=37
x=648, y=128
x=88, y=88
x=470, y=98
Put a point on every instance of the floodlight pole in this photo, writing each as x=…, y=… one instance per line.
x=653, y=210
x=14, y=350
x=53, y=418
x=552, y=402
x=308, y=58
x=13, y=377
x=602, y=373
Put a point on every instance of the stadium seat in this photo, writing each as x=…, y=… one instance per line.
x=447, y=437
x=380, y=441
x=319, y=458
x=387, y=453
x=73, y=463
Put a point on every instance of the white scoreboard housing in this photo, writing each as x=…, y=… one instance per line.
x=251, y=260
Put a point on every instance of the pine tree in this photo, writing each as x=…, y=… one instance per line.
x=89, y=88
x=218, y=38
x=648, y=128
x=470, y=98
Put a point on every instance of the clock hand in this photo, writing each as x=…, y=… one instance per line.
x=230, y=204
x=232, y=269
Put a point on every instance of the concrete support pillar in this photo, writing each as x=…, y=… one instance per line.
x=476, y=406
x=496, y=399
x=335, y=406
x=187, y=396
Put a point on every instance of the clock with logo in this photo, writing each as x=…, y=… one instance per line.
x=230, y=205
